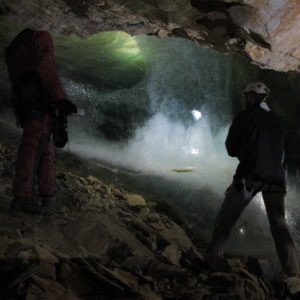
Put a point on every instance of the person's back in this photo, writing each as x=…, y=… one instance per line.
x=20, y=55
x=36, y=93
x=256, y=138
x=30, y=56
x=261, y=145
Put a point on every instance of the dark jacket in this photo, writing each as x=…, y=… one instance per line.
x=32, y=52
x=256, y=138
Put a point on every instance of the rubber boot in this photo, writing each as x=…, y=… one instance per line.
x=25, y=204
x=47, y=204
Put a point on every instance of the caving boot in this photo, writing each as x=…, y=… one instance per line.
x=47, y=204
x=24, y=204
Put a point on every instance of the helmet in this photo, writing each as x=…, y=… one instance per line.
x=257, y=87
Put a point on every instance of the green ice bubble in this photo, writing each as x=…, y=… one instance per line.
x=112, y=58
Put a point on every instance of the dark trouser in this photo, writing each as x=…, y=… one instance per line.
x=35, y=160
x=235, y=202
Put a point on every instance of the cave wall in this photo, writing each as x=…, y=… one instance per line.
x=265, y=32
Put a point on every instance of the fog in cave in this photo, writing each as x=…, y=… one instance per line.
x=161, y=108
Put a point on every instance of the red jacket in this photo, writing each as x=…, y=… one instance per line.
x=33, y=51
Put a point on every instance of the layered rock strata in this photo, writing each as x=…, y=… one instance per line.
x=266, y=32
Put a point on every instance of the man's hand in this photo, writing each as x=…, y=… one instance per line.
x=67, y=107
x=239, y=184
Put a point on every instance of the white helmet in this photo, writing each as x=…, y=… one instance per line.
x=257, y=87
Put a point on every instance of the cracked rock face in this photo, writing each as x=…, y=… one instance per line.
x=277, y=23
x=264, y=31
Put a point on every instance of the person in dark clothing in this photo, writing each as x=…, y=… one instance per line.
x=256, y=138
x=37, y=92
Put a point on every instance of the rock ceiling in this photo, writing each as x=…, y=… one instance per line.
x=264, y=31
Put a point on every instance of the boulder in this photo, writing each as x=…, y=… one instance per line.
x=135, y=200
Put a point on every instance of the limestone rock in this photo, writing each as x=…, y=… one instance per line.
x=135, y=200
x=293, y=286
x=266, y=31
x=114, y=248
x=172, y=253
x=193, y=259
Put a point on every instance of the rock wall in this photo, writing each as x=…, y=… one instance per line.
x=266, y=32
x=277, y=23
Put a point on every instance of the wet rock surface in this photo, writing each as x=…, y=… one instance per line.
x=103, y=242
x=265, y=32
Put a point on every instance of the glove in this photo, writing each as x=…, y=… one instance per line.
x=239, y=184
x=67, y=107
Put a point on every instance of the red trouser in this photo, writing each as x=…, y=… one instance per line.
x=35, y=159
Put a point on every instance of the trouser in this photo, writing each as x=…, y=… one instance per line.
x=35, y=160
x=236, y=199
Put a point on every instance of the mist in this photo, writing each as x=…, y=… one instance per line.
x=167, y=148
x=179, y=150
x=170, y=123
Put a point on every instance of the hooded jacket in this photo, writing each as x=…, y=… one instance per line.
x=256, y=138
x=33, y=52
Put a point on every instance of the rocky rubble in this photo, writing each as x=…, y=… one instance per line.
x=103, y=242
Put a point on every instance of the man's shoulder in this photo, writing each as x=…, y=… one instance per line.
x=269, y=117
x=41, y=33
x=242, y=115
x=42, y=38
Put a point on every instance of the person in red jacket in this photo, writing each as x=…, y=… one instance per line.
x=37, y=91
